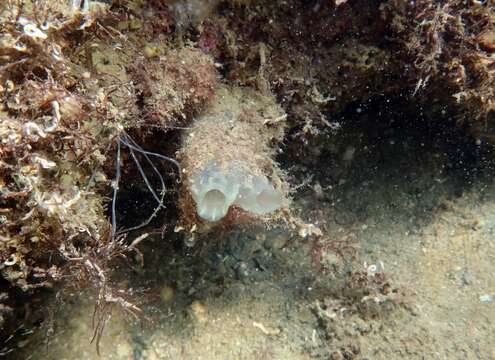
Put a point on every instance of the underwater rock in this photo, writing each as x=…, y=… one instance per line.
x=191, y=11
x=448, y=47
x=34, y=36
x=176, y=85
x=228, y=157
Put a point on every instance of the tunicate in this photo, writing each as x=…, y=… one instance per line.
x=213, y=193
x=215, y=190
x=259, y=196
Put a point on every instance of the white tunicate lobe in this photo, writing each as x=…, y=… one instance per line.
x=214, y=191
x=258, y=196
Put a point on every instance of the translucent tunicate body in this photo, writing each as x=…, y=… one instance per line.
x=214, y=190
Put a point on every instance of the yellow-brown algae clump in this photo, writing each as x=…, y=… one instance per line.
x=176, y=86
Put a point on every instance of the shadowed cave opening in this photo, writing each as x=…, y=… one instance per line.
x=389, y=129
x=389, y=139
x=384, y=151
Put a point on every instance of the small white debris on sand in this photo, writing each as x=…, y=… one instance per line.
x=266, y=330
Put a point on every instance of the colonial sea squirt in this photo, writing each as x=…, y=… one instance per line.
x=228, y=156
